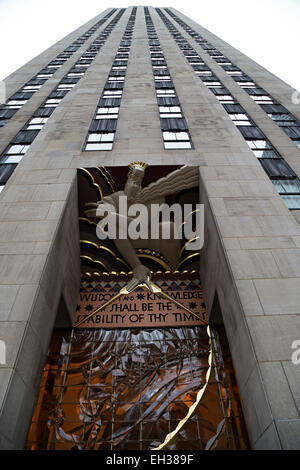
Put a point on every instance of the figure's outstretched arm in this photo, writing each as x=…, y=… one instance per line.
x=125, y=247
x=183, y=178
x=94, y=206
x=140, y=272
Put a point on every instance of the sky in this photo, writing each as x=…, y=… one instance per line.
x=265, y=30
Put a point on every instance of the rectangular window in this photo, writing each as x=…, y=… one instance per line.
x=165, y=92
x=44, y=75
x=276, y=168
x=170, y=112
x=36, y=123
x=100, y=141
x=31, y=88
x=11, y=158
x=225, y=99
x=176, y=140
x=292, y=201
x=213, y=84
x=15, y=149
x=6, y=170
x=265, y=154
x=259, y=144
x=234, y=74
x=284, y=120
x=262, y=99
x=240, y=119
x=75, y=74
x=162, y=77
x=203, y=73
x=16, y=104
x=52, y=103
x=66, y=86
x=112, y=93
x=116, y=79
x=107, y=113
x=246, y=84
x=287, y=186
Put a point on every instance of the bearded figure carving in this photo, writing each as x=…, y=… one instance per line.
x=183, y=178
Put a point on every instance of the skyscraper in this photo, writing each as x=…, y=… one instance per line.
x=150, y=86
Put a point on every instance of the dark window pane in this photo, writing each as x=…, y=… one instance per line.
x=234, y=108
x=293, y=132
x=6, y=171
x=164, y=84
x=274, y=108
x=114, y=86
x=168, y=101
x=104, y=125
x=58, y=93
x=276, y=168
x=7, y=113
x=292, y=202
x=25, y=137
x=251, y=132
x=173, y=124
x=44, y=112
x=287, y=186
x=265, y=154
x=110, y=102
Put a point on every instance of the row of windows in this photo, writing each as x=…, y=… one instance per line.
x=282, y=176
x=173, y=124
x=18, y=99
x=21, y=143
x=102, y=130
x=280, y=115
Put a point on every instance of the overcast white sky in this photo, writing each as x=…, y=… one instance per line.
x=265, y=30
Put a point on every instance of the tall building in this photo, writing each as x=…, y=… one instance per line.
x=150, y=85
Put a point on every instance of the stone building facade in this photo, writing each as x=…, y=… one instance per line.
x=249, y=265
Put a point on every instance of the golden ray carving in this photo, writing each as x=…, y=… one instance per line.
x=107, y=176
x=105, y=248
x=171, y=436
x=188, y=257
x=186, y=244
x=154, y=255
x=95, y=261
x=96, y=185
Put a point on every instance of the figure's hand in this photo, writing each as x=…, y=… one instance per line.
x=96, y=205
x=141, y=273
x=93, y=211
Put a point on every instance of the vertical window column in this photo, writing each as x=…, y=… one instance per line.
x=18, y=99
x=103, y=127
x=23, y=140
x=282, y=176
x=278, y=113
x=173, y=124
